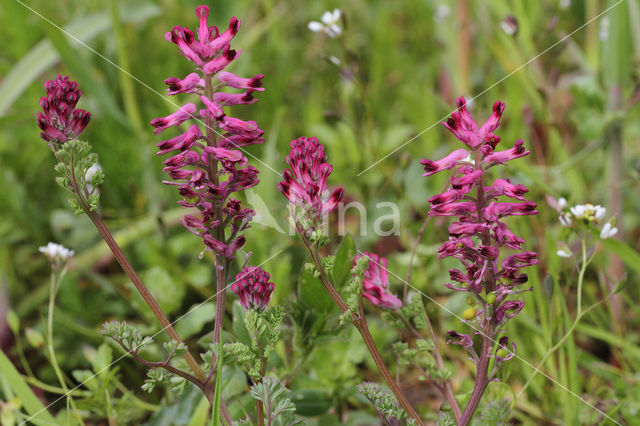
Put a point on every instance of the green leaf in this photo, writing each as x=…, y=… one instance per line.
x=43, y=56
x=167, y=292
x=195, y=319
x=215, y=415
x=200, y=414
x=239, y=328
x=311, y=402
x=343, y=262
x=31, y=403
x=102, y=360
x=313, y=294
x=263, y=214
x=627, y=254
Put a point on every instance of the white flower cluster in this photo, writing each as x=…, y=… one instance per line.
x=587, y=213
x=56, y=253
x=329, y=25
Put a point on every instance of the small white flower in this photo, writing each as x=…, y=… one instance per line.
x=578, y=211
x=564, y=4
x=334, y=60
x=91, y=172
x=562, y=203
x=441, y=13
x=565, y=220
x=329, y=25
x=599, y=213
x=56, y=253
x=315, y=26
x=563, y=252
x=608, y=231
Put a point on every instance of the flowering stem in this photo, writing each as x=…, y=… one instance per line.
x=53, y=289
x=360, y=322
x=579, y=314
x=445, y=387
x=482, y=380
x=142, y=289
x=482, y=370
x=222, y=265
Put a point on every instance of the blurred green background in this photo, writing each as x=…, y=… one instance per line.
x=400, y=65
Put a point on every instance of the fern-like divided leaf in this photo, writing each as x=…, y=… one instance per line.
x=385, y=404
x=278, y=408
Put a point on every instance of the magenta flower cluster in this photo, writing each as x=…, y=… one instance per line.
x=60, y=119
x=375, y=285
x=208, y=167
x=305, y=182
x=253, y=288
x=479, y=235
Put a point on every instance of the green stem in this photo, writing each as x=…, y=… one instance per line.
x=53, y=288
x=579, y=314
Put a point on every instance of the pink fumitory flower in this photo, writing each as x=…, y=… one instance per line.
x=60, y=119
x=479, y=235
x=305, y=183
x=207, y=165
x=375, y=286
x=253, y=288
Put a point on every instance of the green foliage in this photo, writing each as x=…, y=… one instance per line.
x=445, y=419
x=75, y=158
x=126, y=334
x=263, y=328
x=496, y=413
x=353, y=290
x=278, y=408
x=385, y=404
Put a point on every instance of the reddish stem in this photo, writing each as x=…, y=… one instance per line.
x=360, y=321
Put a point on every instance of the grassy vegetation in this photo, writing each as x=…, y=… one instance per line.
x=569, y=77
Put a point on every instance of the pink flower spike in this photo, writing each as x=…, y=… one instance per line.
x=446, y=163
x=504, y=187
x=218, y=64
x=183, y=114
x=446, y=197
x=508, y=310
x=304, y=183
x=236, y=82
x=203, y=31
x=213, y=110
x=225, y=154
x=232, y=124
x=376, y=282
x=520, y=260
x=60, y=120
x=500, y=157
x=253, y=288
x=467, y=179
x=460, y=339
x=462, y=125
x=181, y=142
x=184, y=39
x=453, y=209
x=229, y=99
x=493, y=122
x=223, y=40
x=497, y=210
x=187, y=85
